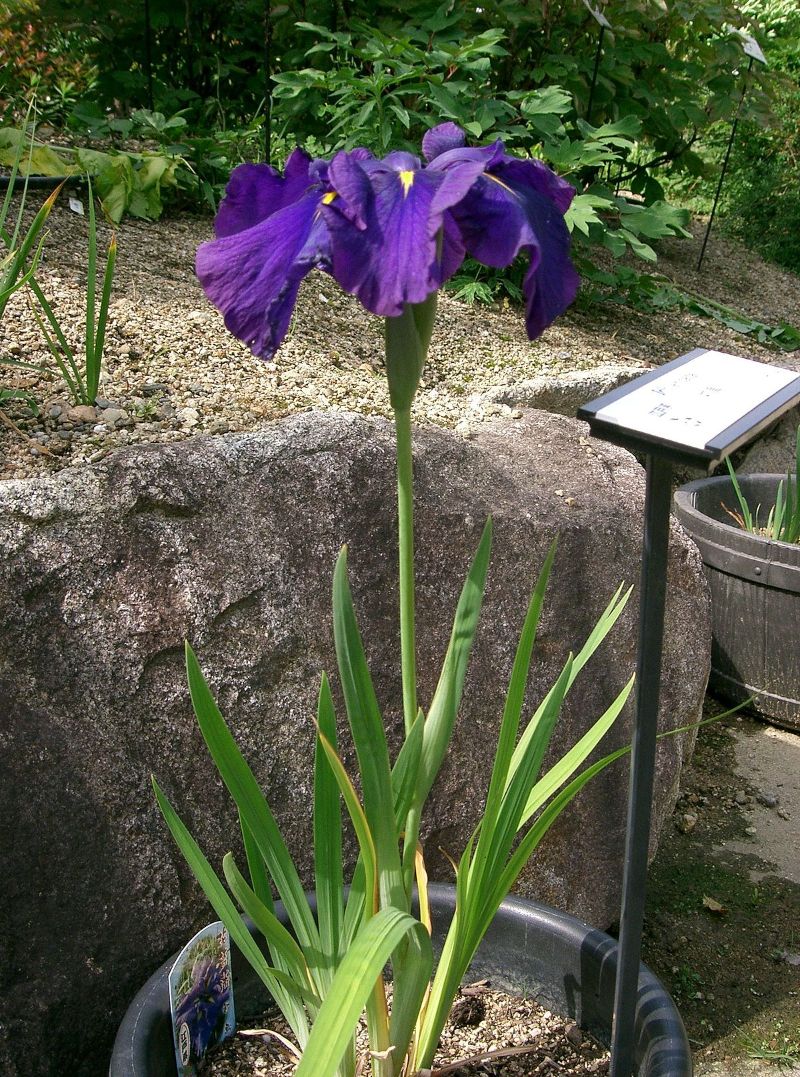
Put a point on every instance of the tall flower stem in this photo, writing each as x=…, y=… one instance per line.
x=405, y=526
x=407, y=338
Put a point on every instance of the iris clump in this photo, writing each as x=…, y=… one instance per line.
x=783, y=519
x=390, y=231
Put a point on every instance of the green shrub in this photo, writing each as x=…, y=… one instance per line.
x=760, y=198
x=41, y=59
x=348, y=73
x=762, y=201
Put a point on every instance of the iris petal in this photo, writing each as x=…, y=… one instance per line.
x=452, y=251
x=474, y=157
x=396, y=161
x=349, y=180
x=460, y=169
x=253, y=277
x=393, y=260
x=551, y=282
x=514, y=205
x=528, y=173
x=443, y=137
x=492, y=222
x=255, y=192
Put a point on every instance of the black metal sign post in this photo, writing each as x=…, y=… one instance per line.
x=652, y=600
x=697, y=409
x=267, y=82
x=604, y=25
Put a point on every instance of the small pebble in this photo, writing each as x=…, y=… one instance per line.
x=574, y=1034
x=83, y=413
x=114, y=415
x=687, y=823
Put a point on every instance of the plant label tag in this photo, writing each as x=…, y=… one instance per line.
x=76, y=205
x=701, y=406
x=751, y=47
x=597, y=14
x=201, y=997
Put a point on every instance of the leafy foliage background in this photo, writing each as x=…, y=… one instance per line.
x=217, y=82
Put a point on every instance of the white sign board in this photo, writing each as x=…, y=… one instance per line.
x=692, y=403
x=699, y=407
x=751, y=47
x=597, y=14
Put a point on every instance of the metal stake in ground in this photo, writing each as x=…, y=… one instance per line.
x=604, y=24
x=267, y=82
x=148, y=53
x=753, y=50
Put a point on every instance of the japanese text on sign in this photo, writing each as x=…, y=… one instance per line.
x=692, y=403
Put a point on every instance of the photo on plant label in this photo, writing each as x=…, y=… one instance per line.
x=201, y=998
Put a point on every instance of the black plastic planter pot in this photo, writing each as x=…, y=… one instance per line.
x=41, y=183
x=755, y=597
x=569, y=967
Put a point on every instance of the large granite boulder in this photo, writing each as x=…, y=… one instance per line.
x=231, y=542
x=564, y=393
x=774, y=452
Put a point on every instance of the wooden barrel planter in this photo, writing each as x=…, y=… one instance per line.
x=755, y=597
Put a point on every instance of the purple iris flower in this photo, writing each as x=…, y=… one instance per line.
x=390, y=231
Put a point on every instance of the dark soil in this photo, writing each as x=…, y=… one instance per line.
x=489, y=1034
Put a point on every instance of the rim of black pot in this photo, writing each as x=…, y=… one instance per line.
x=42, y=182
x=572, y=969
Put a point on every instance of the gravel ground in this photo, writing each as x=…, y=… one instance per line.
x=172, y=370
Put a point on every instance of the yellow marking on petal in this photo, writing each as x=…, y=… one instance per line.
x=407, y=180
x=328, y=198
x=500, y=183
